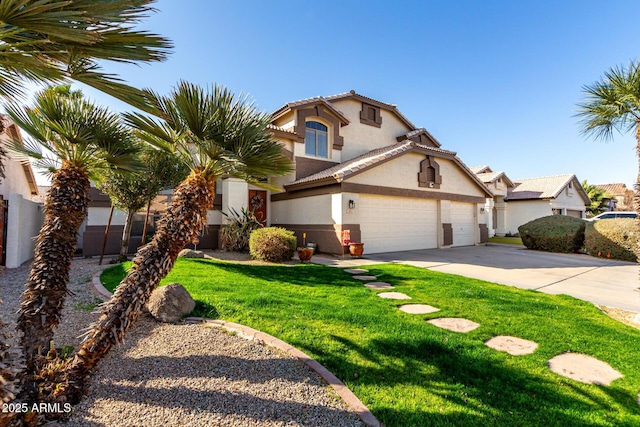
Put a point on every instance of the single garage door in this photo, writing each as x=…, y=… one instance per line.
x=397, y=223
x=463, y=224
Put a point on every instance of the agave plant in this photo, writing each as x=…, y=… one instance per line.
x=236, y=232
x=80, y=138
x=217, y=135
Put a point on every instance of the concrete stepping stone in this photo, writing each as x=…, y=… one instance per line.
x=365, y=277
x=583, y=368
x=378, y=285
x=393, y=295
x=418, y=308
x=513, y=345
x=455, y=324
x=356, y=271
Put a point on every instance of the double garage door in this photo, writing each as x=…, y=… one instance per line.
x=390, y=224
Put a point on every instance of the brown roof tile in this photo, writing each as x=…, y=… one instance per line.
x=617, y=189
x=546, y=187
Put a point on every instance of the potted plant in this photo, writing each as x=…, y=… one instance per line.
x=304, y=254
x=356, y=249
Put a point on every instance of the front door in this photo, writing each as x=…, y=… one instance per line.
x=258, y=205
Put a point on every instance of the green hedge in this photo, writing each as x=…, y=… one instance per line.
x=612, y=238
x=555, y=233
x=273, y=244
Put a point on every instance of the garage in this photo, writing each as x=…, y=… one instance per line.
x=463, y=224
x=392, y=224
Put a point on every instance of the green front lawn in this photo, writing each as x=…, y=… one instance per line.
x=507, y=240
x=410, y=373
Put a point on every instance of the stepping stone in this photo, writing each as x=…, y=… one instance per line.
x=365, y=277
x=583, y=368
x=454, y=324
x=378, y=285
x=393, y=295
x=418, y=308
x=512, y=345
x=356, y=271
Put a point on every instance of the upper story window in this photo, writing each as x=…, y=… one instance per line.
x=316, y=142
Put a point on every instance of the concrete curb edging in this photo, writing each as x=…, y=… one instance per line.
x=246, y=332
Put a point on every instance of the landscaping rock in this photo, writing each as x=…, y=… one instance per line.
x=584, y=369
x=356, y=271
x=393, y=295
x=190, y=253
x=378, y=285
x=418, y=308
x=365, y=277
x=512, y=345
x=170, y=303
x=454, y=324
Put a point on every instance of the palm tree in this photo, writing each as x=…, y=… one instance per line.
x=54, y=41
x=81, y=138
x=217, y=135
x=599, y=197
x=613, y=104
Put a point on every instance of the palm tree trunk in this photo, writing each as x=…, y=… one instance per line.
x=46, y=287
x=126, y=236
x=184, y=219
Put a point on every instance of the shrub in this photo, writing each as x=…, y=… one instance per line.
x=273, y=244
x=555, y=233
x=235, y=234
x=612, y=238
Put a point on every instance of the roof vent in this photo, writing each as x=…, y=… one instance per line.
x=352, y=92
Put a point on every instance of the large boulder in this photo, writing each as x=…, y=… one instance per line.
x=190, y=253
x=170, y=303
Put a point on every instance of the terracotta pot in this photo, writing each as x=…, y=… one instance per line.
x=356, y=249
x=305, y=254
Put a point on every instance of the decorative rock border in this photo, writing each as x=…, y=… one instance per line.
x=246, y=332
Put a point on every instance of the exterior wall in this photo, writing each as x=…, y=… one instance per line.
x=402, y=172
x=360, y=138
x=24, y=223
x=307, y=210
x=569, y=200
x=521, y=212
x=15, y=181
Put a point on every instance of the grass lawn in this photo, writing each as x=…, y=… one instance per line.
x=410, y=373
x=507, y=240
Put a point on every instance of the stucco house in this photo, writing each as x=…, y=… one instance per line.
x=516, y=202
x=360, y=166
x=20, y=217
x=623, y=196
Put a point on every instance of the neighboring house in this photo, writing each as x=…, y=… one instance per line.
x=495, y=207
x=362, y=167
x=551, y=195
x=623, y=196
x=516, y=202
x=20, y=217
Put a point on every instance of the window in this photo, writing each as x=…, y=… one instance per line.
x=316, y=142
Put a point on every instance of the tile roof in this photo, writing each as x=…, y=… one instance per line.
x=310, y=101
x=546, y=187
x=494, y=176
x=617, y=189
x=281, y=129
x=480, y=169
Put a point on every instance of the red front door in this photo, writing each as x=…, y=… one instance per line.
x=258, y=204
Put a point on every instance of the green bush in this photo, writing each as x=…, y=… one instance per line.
x=555, y=233
x=273, y=244
x=234, y=236
x=612, y=238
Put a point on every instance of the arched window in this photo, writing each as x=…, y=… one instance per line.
x=316, y=142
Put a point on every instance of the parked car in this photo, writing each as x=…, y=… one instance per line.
x=611, y=215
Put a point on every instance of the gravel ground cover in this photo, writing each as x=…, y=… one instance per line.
x=183, y=375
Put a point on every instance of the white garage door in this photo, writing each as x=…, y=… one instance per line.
x=397, y=223
x=463, y=224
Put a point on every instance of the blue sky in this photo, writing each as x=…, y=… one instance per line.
x=495, y=81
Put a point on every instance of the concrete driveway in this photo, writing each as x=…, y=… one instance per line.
x=600, y=281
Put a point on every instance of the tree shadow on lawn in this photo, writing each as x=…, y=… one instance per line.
x=300, y=275
x=483, y=390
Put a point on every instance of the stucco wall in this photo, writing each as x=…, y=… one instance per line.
x=521, y=212
x=24, y=223
x=571, y=201
x=15, y=181
x=308, y=210
x=360, y=138
x=402, y=172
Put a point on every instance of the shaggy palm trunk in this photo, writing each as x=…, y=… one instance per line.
x=46, y=287
x=182, y=222
x=126, y=236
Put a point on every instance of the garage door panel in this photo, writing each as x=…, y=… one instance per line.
x=463, y=224
x=394, y=224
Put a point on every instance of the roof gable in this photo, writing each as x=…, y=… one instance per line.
x=491, y=177
x=310, y=102
x=421, y=136
x=617, y=189
x=546, y=187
